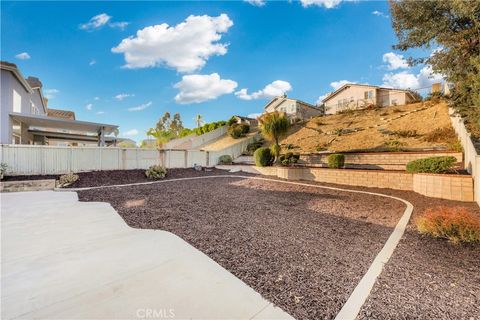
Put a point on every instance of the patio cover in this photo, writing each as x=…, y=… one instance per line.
x=65, y=124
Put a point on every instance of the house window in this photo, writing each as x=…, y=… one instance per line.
x=17, y=102
x=368, y=94
x=33, y=108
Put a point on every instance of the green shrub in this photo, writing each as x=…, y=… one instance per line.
x=231, y=121
x=235, y=131
x=245, y=128
x=68, y=179
x=225, y=159
x=455, y=224
x=394, y=145
x=432, y=165
x=336, y=161
x=252, y=146
x=156, y=172
x=263, y=157
x=289, y=158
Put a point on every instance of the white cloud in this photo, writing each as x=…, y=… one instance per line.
x=337, y=84
x=130, y=133
x=274, y=89
x=185, y=47
x=92, y=62
x=101, y=20
x=96, y=98
x=407, y=80
x=198, y=88
x=320, y=99
x=395, y=61
x=426, y=77
x=258, y=3
x=321, y=3
x=23, y=56
x=96, y=22
x=122, y=96
x=89, y=106
x=379, y=14
x=100, y=112
x=254, y=115
x=401, y=80
x=141, y=107
x=50, y=93
x=120, y=25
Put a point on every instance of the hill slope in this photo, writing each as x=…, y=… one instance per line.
x=417, y=126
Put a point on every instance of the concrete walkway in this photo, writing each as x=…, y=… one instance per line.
x=64, y=259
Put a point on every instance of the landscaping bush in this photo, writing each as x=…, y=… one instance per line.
x=238, y=130
x=225, y=159
x=235, y=131
x=336, y=161
x=156, y=172
x=289, y=158
x=252, y=146
x=432, y=165
x=455, y=224
x=68, y=179
x=263, y=157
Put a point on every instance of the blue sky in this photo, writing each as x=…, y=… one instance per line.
x=197, y=57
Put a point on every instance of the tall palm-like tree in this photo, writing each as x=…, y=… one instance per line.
x=161, y=136
x=274, y=126
x=199, y=120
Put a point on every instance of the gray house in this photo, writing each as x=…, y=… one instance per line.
x=26, y=119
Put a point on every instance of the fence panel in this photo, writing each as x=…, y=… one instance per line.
x=36, y=160
x=471, y=158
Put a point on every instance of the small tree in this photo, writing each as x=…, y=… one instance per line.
x=274, y=126
x=161, y=136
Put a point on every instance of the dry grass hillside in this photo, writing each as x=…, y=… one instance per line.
x=417, y=126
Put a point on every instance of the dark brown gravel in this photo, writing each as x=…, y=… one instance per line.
x=114, y=177
x=303, y=248
x=426, y=278
x=289, y=242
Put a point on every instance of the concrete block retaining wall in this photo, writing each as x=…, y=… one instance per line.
x=377, y=160
x=452, y=187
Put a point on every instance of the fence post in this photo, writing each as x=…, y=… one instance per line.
x=186, y=159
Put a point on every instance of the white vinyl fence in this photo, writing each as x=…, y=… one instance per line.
x=33, y=160
x=471, y=157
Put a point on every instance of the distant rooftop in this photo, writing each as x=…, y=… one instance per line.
x=62, y=114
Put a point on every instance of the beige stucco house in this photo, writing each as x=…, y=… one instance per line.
x=357, y=96
x=295, y=109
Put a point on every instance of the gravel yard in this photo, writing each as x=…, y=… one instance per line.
x=303, y=248
x=306, y=248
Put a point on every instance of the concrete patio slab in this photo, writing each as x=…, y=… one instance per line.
x=65, y=259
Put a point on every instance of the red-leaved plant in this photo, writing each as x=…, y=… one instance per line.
x=456, y=224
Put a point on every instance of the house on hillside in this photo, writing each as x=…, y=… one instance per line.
x=246, y=120
x=26, y=119
x=295, y=109
x=357, y=96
